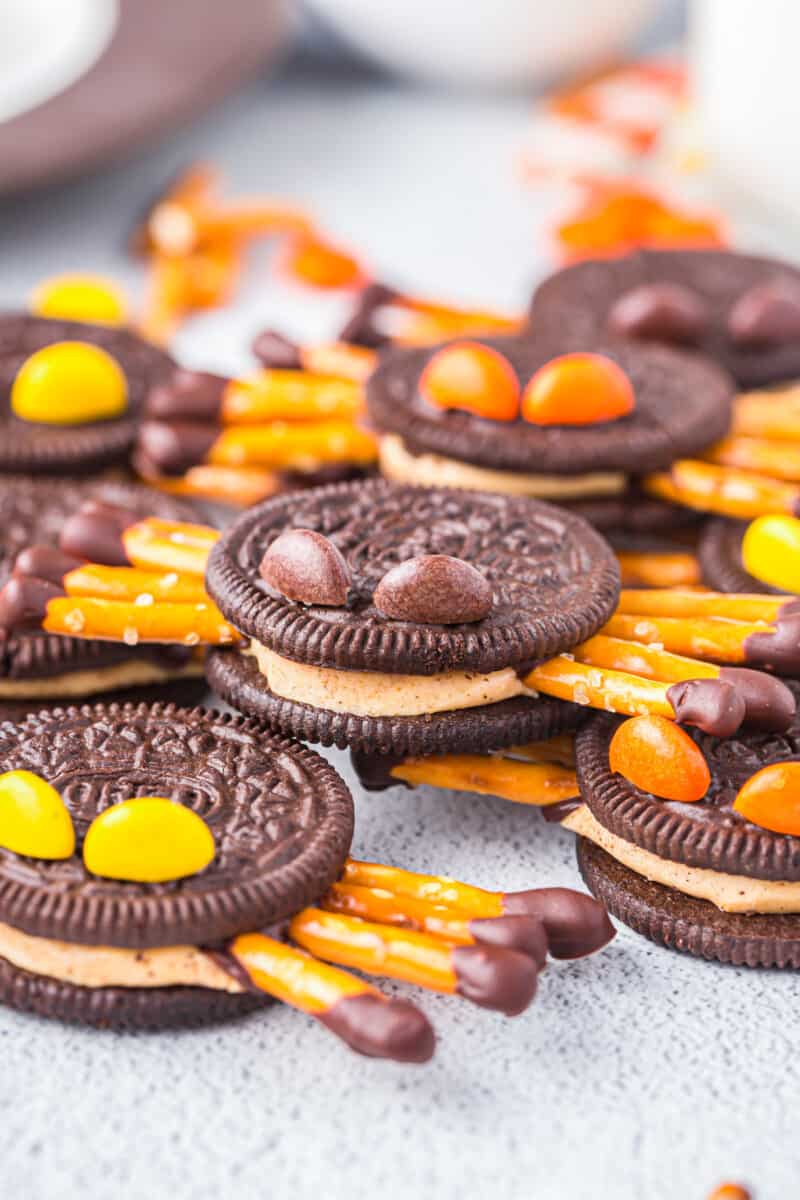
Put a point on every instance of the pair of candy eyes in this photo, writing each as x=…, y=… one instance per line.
x=148, y=839
x=572, y=389
x=659, y=757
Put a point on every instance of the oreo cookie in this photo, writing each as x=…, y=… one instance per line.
x=720, y=553
x=699, y=877
x=71, y=449
x=281, y=820
x=683, y=404
x=36, y=666
x=740, y=309
x=400, y=665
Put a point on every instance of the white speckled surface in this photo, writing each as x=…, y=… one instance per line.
x=638, y=1075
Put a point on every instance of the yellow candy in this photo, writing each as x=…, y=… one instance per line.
x=147, y=840
x=34, y=820
x=771, y=551
x=80, y=298
x=69, y=383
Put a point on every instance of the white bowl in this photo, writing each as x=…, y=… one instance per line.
x=495, y=43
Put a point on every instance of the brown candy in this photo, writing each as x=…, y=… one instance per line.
x=305, y=566
x=575, y=924
x=274, y=350
x=766, y=315
x=95, y=533
x=187, y=396
x=665, y=312
x=434, y=589
x=173, y=447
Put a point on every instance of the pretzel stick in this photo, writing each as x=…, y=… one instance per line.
x=169, y=545
x=719, y=640
x=212, y=274
x=575, y=923
x=111, y=620
x=559, y=749
x=178, y=225
x=288, y=446
x=597, y=687
x=773, y=415
x=190, y=187
x=615, y=654
x=658, y=570
x=352, y=1009
x=167, y=299
x=275, y=395
x=134, y=584
x=676, y=603
x=523, y=783
x=239, y=486
x=523, y=933
x=723, y=490
x=490, y=976
x=338, y=358
x=781, y=460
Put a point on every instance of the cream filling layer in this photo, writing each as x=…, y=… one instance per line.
x=730, y=893
x=434, y=470
x=378, y=694
x=137, y=672
x=111, y=966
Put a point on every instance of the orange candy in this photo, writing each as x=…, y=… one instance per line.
x=656, y=755
x=771, y=798
x=578, y=389
x=473, y=378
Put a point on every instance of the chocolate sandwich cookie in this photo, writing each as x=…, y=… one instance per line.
x=31, y=445
x=720, y=554
x=39, y=667
x=402, y=620
x=679, y=404
x=740, y=309
x=718, y=877
x=108, y=951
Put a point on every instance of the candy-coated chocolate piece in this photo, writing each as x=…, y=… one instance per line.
x=434, y=589
x=665, y=312
x=656, y=755
x=766, y=315
x=771, y=798
x=578, y=389
x=771, y=551
x=80, y=298
x=33, y=818
x=305, y=566
x=472, y=378
x=69, y=383
x=148, y=840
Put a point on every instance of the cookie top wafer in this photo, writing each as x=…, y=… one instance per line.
x=33, y=512
x=280, y=817
x=61, y=449
x=720, y=553
x=554, y=580
x=682, y=404
x=709, y=833
x=581, y=299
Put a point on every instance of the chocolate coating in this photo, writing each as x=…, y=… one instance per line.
x=713, y=705
x=305, y=566
x=575, y=924
x=778, y=648
x=361, y=328
x=272, y=349
x=767, y=315
x=770, y=706
x=95, y=532
x=173, y=447
x=663, y=312
x=23, y=602
x=187, y=396
x=381, y=1028
x=45, y=562
x=434, y=589
x=491, y=977
x=522, y=932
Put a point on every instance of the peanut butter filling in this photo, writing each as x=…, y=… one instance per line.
x=137, y=672
x=378, y=694
x=433, y=470
x=730, y=893
x=111, y=966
